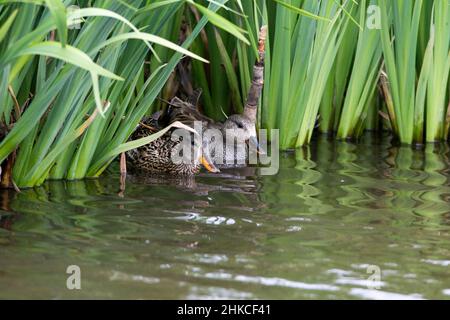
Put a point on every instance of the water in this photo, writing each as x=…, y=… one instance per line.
x=335, y=215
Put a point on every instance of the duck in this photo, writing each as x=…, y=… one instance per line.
x=242, y=126
x=156, y=156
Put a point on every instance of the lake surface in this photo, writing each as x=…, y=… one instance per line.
x=336, y=216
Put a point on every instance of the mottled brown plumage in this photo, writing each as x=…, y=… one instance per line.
x=156, y=157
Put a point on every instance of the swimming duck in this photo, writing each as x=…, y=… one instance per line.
x=243, y=126
x=156, y=157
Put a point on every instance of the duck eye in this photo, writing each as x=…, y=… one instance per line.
x=240, y=126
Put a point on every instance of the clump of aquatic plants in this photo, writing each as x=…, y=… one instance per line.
x=75, y=83
x=304, y=51
x=328, y=61
x=416, y=41
x=356, y=77
x=303, y=43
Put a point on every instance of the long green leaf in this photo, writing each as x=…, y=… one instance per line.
x=301, y=11
x=74, y=17
x=151, y=38
x=58, y=10
x=5, y=27
x=76, y=57
x=221, y=22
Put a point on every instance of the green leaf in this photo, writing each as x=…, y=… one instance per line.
x=230, y=72
x=36, y=2
x=68, y=54
x=75, y=16
x=149, y=37
x=221, y=22
x=58, y=11
x=35, y=175
x=76, y=57
x=153, y=6
x=301, y=11
x=5, y=27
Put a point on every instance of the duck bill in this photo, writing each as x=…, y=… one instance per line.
x=206, y=161
x=254, y=142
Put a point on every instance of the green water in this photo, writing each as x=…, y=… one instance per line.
x=309, y=232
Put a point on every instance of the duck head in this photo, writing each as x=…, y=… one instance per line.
x=246, y=126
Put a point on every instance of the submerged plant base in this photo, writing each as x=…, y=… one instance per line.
x=6, y=180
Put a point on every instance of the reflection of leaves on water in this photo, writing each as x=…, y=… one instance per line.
x=406, y=181
x=332, y=206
